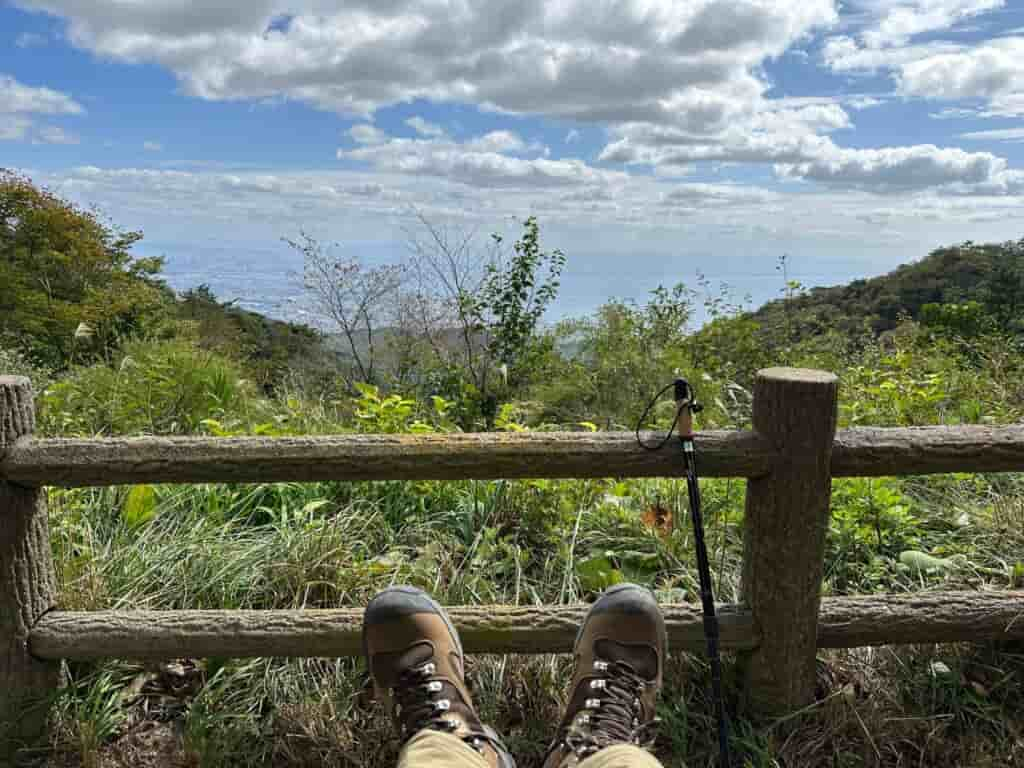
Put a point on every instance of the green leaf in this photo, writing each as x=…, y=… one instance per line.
x=596, y=574
x=368, y=391
x=139, y=506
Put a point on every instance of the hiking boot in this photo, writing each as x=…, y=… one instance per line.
x=415, y=659
x=620, y=654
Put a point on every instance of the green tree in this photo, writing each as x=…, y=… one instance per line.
x=70, y=288
x=514, y=296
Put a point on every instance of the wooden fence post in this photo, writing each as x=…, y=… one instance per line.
x=784, y=535
x=27, y=588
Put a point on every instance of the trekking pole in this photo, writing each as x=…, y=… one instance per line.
x=686, y=406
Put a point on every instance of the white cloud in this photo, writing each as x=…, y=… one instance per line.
x=423, y=128
x=571, y=136
x=897, y=169
x=17, y=98
x=153, y=146
x=620, y=61
x=496, y=141
x=53, y=134
x=791, y=141
x=20, y=102
x=993, y=71
x=485, y=161
x=1002, y=134
x=845, y=54
x=904, y=20
x=364, y=133
x=696, y=196
x=864, y=102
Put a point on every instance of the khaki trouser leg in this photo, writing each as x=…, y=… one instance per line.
x=431, y=749
x=621, y=756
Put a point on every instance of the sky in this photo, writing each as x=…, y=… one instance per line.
x=655, y=140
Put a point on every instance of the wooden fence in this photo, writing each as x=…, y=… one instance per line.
x=788, y=459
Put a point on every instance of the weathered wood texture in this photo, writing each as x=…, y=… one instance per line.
x=116, y=461
x=483, y=629
x=924, y=617
x=877, y=451
x=845, y=622
x=784, y=534
x=27, y=588
x=856, y=453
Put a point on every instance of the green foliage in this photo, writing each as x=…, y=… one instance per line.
x=332, y=545
x=149, y=388
x=14, y=362
x=271, y=350
x=393, y=413
x=991, y=275
x=70, y=288
x=91, y=710
x=966, y=320
x=620, y=357
x=871, y=523
x=514, y=296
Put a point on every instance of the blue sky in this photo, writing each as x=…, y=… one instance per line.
x=653, y=138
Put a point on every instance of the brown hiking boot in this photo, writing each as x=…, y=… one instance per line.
x=620, y=654
x=415, y=659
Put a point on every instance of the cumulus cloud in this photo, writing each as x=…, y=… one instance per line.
x=153, y=146
x=423, y=128
x=904, y=20
x=619, y=61
x=791, y=141
x=699, y=196
x=364, y=133
x=20, y=103
x=17, y=98
x=864, y=102
x=897, y=169
x=993, y=71
x=486, y=161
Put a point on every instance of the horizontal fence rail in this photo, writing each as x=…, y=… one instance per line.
x=861, y=452
x=844, y=622
x=788, y=462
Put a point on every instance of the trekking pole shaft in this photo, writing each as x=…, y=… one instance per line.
x=707, y=600
x=684, y=427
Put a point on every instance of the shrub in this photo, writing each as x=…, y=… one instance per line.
x=167, y=387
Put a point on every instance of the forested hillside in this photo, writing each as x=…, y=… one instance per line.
x=982, y=283
x=113, y=351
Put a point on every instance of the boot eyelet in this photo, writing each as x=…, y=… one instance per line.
x=442, y=706
x=434, y=686
x=592, y=703
x=428, y=668
x=600, y=666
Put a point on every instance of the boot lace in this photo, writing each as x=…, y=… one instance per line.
x=419, y=705
x=613, y=714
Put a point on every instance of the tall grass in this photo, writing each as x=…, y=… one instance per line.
x=325, y=545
